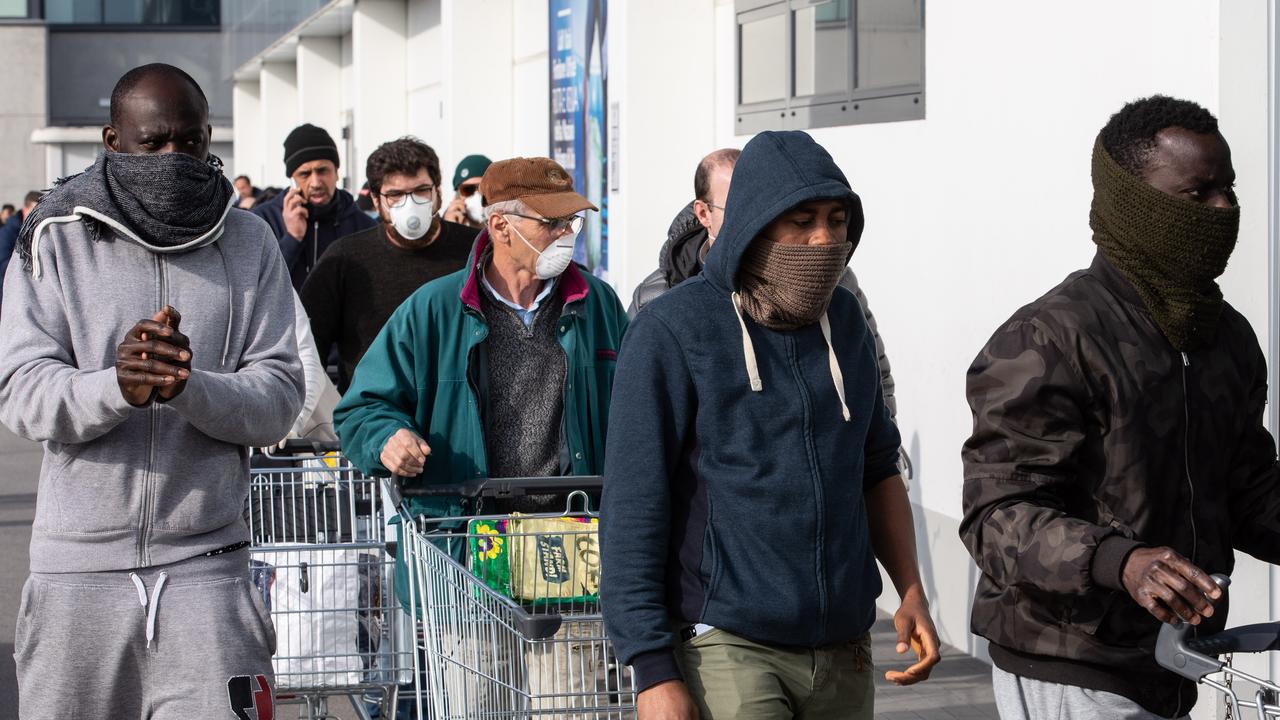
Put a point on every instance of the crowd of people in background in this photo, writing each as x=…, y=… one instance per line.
x=741, y=412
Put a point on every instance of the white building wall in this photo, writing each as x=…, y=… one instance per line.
x=660, y=74
x=479, y=88
x=426, y=83
x=379, y=67
x=531, y=80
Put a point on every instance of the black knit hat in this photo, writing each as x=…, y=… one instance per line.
x=306, y=143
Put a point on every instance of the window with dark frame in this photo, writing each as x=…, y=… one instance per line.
x=151, y=13
x=822, y=63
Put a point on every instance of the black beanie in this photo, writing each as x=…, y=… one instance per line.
x=307, y=143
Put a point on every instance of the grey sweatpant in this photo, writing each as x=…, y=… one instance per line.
x=1021, y=698
x=187, y=640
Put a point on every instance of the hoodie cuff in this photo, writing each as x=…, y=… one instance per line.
x=1108, y=561
x=653, y=667
x=107, y=387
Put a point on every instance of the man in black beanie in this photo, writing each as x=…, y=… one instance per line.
x=314, y=212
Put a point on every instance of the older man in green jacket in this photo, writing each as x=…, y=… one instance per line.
x=502, y=369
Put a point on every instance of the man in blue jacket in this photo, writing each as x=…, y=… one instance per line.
x=755, y=483
x=314, y=212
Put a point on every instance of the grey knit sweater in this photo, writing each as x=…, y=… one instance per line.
x=527, y=370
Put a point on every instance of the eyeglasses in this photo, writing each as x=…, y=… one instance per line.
x=711, y=205
x=468, y=190
x=421, y=195
x=556, y=226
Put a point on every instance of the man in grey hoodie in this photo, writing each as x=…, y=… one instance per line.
x=149, y=342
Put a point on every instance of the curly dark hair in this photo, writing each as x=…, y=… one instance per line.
x=406, y=155
x=1130, y=135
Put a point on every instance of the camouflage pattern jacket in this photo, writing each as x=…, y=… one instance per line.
x=1093, y=436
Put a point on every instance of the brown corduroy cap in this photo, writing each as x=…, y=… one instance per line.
x=538, y=182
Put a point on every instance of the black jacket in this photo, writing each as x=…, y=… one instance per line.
x=339, y=219
x=1092, y=436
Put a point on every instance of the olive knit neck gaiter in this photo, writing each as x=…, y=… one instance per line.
x=784, y=287
x=1172, y=250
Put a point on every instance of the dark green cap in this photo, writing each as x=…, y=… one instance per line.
x=472, y=166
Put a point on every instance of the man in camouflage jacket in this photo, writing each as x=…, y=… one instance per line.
x=1118, y=454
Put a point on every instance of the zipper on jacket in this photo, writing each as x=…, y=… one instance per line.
x=819, y=498
x=315, y=244
x=1186, y=454
x=148, y=478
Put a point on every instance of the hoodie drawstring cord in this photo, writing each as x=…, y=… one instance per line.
x=231, y=311
x=836, y=376
x=153, y=606
x=748, y=350
x=753, y=368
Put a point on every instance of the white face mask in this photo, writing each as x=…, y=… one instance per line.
x=553, y=260
x=412, y=220
x=475, y=210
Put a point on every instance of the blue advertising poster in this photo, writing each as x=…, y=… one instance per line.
x=579, y=87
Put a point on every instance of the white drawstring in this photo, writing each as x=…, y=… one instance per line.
x=748, y=350
x=152, y=608
x=836, y=376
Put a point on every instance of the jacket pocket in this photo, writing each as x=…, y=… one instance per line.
x=28, y=611
x=259, y=613
x=90, y=488
x=202, y=488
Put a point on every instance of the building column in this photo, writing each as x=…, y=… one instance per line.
x=246, y=127
x=320, y=87
x=278, y=94
x=378, y=58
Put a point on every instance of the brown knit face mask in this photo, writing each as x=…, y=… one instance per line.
x=784, y=287
x=1171, y=249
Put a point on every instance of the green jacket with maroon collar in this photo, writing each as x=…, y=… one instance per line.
x=425, y=371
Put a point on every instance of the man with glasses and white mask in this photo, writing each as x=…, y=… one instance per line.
x=503, y=369
x=364, y=277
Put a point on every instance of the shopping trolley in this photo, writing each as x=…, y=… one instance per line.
x=1195, y=658
x=506, y=606
x=319, y=559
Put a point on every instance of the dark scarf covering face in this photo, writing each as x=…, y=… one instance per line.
x=1172, y=250
x=784, y=287
x=168, y=202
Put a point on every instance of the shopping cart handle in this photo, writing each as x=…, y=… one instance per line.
x=1179, y=653
x=501, y=487
x=537, y=626
x=301, y=446
x=1262, y=637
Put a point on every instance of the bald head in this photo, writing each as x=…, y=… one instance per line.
x=158, y=108
x=711, y=188
x=721, y=160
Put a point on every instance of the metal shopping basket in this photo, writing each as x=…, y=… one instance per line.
x=1196, y=658
x=319, y=558
x=507, y=608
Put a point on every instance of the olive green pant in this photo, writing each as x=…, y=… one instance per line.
x=732, y=677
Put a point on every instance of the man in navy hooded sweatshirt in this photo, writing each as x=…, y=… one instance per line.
x=754, y=482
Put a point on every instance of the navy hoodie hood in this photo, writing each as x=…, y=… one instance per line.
x=776, y=172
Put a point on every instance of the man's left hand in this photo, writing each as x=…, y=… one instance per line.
x=915, y=632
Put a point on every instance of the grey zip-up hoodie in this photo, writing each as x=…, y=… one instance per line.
x=124, y=487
